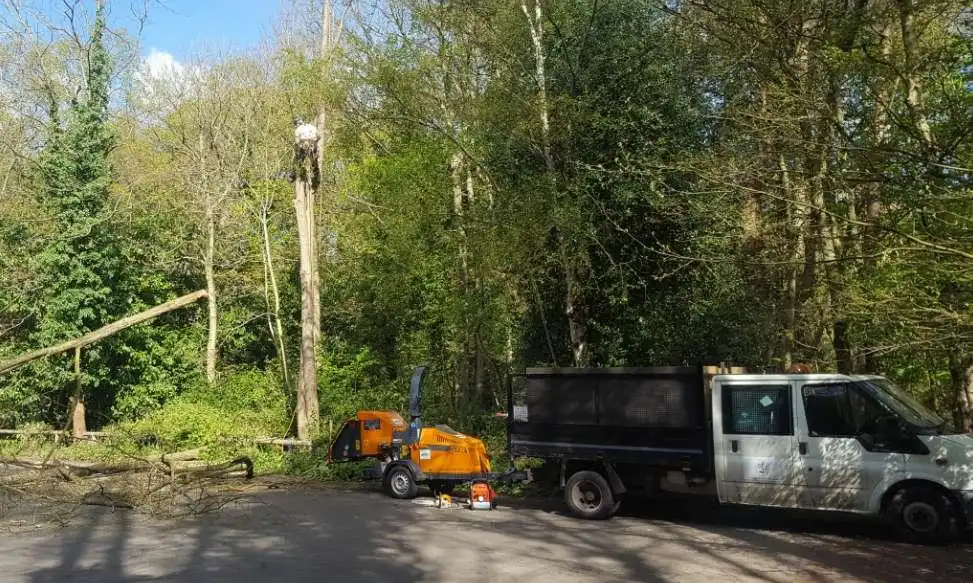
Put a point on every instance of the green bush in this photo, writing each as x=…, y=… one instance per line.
x=242, y=405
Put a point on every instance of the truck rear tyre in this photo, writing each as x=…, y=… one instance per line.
x=399, y=483
x=923, y=515
x=588, y=495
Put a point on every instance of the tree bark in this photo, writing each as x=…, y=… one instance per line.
x=913, y=94
x=307, y=388
x=573, y=309
x=78, y=424
x=208, y=266
x=272, y=292
x=209, y=259
x=796, y=211
x=961, y=374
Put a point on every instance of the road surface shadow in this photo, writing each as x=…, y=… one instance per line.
x=331, y=535
x=861, y=548
x=255, y=542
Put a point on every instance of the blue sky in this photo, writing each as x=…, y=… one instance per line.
x=178, y=27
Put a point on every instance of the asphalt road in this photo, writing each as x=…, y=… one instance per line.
x=328, y=535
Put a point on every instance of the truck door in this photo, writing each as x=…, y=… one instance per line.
x=756, y=451
x=841, y=472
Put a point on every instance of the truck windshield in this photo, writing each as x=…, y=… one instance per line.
x=902, y=403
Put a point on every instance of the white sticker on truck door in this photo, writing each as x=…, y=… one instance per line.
x=425, y=454
x=765, y=469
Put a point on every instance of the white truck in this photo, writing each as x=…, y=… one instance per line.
x=826, y=442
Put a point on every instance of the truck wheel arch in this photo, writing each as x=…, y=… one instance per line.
x=570, y=467
x=923, y=511
x=884, y=492
x=926, y=483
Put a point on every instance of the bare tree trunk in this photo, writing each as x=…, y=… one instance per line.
x=961, y=374
x=307, y=388
x=330, y=33
x=464, y=358
x=873, y=204
x=456, y=166
x=913, y=95
x=77, y=408
x=272, y=292
x=577, y=325
x=208, y=261
x=796, y=213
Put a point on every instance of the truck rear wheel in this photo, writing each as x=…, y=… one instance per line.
x=588, y=495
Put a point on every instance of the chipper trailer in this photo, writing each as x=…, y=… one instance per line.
x=410, y=455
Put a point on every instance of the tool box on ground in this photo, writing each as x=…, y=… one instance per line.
x=409, y=455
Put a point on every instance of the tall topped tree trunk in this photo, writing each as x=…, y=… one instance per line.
x=307, y=389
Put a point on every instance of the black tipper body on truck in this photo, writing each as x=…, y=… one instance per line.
x=638, y=420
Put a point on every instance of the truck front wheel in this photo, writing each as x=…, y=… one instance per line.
x=588, y=495
x=923, y=515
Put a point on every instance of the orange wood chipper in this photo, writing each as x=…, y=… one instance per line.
x=408, y=454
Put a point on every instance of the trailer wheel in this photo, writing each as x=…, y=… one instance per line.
x=588, y=495
x=399, y=483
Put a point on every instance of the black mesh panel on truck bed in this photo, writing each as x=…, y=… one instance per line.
x=645, y=402
x=623, y=415
x=623, y=400
x=562, y=400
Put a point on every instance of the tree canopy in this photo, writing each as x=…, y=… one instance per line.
x=505, y=183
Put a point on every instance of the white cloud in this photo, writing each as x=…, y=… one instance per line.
x=161, y=66
x=161, y=83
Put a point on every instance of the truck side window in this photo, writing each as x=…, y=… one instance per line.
x=757, y=410
x=829, y=411
x=372, y=424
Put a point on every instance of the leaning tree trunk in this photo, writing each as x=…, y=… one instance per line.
x=272, y=292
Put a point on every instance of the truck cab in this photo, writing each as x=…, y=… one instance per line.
x=840, y=443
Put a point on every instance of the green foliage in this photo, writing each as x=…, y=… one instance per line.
x=698, y=167
x=242, y=405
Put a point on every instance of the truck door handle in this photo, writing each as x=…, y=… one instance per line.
x=734, y=445
x=802, y=447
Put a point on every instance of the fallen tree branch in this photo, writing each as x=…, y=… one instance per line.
x=104, y=331
x=172, y=484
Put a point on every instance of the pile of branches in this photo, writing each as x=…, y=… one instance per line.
x=164, y=485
